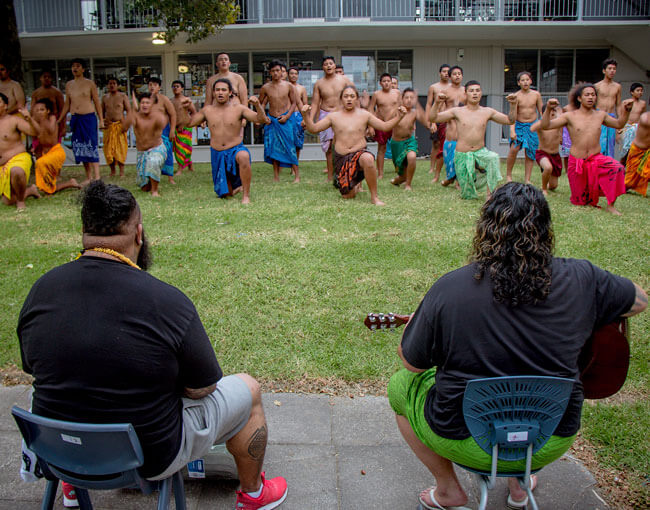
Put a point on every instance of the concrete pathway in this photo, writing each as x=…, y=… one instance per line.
x=337, y=453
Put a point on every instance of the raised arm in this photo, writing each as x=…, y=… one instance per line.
x=626, y=108
x=312, y=127
x=27, y=125
x=501, y=118
x=260, y=117
x=196, y=118
x=386, y=125
x=435, y=115
x=421, y=115
x=546, y=122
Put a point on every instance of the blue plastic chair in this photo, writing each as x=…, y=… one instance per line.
x=511, y=418
x=91, y=456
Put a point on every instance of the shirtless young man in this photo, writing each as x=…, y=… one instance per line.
x=163, y=104
x=49, y=91
x=279, y=133
x=114, y=105
x=403, y=145
x=325, y=100
x=49, y=164
x=638, y=107
x=183, y=138
x=352, y=161
x=339, y=70
x=15, y=163
x=82, y=101
x=12, y=89
x=223, y=71
x=231, y=161
x=148, y=123
x=547, y=154
x=383, y=105
x=529, y=104
x=637, y=166
x=300, y=93
x=471, y=122
x=455, y=96
x=609, y=101
x=437, y=130
x=591, y=174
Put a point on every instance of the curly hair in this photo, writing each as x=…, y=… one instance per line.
x=106, y=208
x=514, y=243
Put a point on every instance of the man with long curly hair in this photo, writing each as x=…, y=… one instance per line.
x=515, y=309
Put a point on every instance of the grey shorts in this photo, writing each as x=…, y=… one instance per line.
x=211, y=420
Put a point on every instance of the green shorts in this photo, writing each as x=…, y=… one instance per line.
x=407, y=394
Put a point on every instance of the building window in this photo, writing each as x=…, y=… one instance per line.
x=141, y=69
x=359, y=66
x=397, y=63
x=105, y=68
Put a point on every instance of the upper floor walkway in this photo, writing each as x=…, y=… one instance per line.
x=43, y=16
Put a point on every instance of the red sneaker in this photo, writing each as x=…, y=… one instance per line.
x=273, y=494
x=69, y=496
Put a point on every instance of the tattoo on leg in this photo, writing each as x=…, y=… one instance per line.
x=257, y=444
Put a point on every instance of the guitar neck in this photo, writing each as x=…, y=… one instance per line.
x=385, y=321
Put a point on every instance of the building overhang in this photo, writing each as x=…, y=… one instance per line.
x=630, y=36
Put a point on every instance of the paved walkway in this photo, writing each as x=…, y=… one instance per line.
x=335, y=452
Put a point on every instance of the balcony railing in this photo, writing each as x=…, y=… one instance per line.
x=72, y=15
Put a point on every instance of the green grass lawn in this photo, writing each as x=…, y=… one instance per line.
x=282, y=285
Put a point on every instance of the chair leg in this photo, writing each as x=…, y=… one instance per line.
x=164, y=497
x=83, y=498
x=483, y=485
x=531, y=500
x=179, y=491
x=50, y=495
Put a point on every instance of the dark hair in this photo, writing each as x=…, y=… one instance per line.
x=179, y=82
x=472, y=82
x=384, y=75
x=407, y=89
x=636, y=85
x=328, y=57
x=106, y=208
x=221, y=53
x=47, y=71
x=349, y=87
x=294, y=68
x=443, y=66
x=339, y=66
x=513, y=244
x=79, y=61
x=145, y=95
x=275, y=63
x=453, y=68
x=222, y=80
x=47, y=102
x=609, y=62
x=155, y=79
x=4, y=98
x=524, y=73
x=112, y=78
x=577, y=91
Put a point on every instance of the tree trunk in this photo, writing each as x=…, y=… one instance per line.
x=10, y=54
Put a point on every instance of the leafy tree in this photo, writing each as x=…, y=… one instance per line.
x=197, y=18
x=9, y=42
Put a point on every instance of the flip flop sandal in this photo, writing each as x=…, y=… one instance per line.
x=437, y=506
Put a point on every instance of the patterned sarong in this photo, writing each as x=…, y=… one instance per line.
x=48, y=167
x=448, y=153
x=565, y=148
x=554, y=159
x=22, y=160
x=225, y=169
x=299, y=131
x=325, y=137
x=347, y=170
x=637, y=170
x=593, y=177
x=381, y=137
x=608, y=139
x=84, y=138
x=183, y=147
x=526, y=139
x=115, y=145
x=629, y=133
x=440, y=136
x=168, y=166
x=149, y=164
x=465, y=163
x=279, y=142
x=399, y=150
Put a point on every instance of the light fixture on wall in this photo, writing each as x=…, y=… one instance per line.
x=506, y=68
x=183, y=68
x=158, y=38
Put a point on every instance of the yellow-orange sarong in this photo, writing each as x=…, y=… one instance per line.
x=22, y=160
x=115, y=145
x=637, y=170
x=48, y=167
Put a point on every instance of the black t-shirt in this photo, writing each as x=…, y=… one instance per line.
x=107, y=343
x=460, y=329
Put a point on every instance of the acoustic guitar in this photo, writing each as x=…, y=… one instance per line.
x=603, y=362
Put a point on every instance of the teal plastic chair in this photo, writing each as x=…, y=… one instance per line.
x=91, y=456
x=511, y=418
